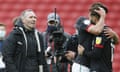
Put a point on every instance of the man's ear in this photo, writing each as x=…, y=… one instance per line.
x=23, y=19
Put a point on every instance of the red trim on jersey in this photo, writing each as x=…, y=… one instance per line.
x=98, y=46
x=89, y=27
x=69, y=66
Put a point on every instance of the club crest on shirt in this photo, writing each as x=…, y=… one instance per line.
x=98, y=40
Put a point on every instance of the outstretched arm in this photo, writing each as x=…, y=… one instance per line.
x=95, y=53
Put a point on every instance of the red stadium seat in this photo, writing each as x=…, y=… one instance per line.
x=69, y=11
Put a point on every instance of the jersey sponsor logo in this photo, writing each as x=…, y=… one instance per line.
x=98, y=40
x=99, y=46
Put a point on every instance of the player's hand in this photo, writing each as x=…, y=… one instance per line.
x=109, y=33
x=101, y=12
x=80, y=49
x=70, y=55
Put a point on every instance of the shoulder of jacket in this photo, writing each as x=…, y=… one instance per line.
x=74, y=37
x=67, y=35
x=15, y=31
x=14, y=34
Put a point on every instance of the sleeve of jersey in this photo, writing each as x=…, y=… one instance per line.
x=85, y=27
x=98, y=46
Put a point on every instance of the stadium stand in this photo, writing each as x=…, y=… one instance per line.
x=69, y=10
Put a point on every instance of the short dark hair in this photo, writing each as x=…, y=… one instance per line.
x=95, y=6
x=98, y=4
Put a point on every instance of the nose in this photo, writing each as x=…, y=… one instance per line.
x=34, y=18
